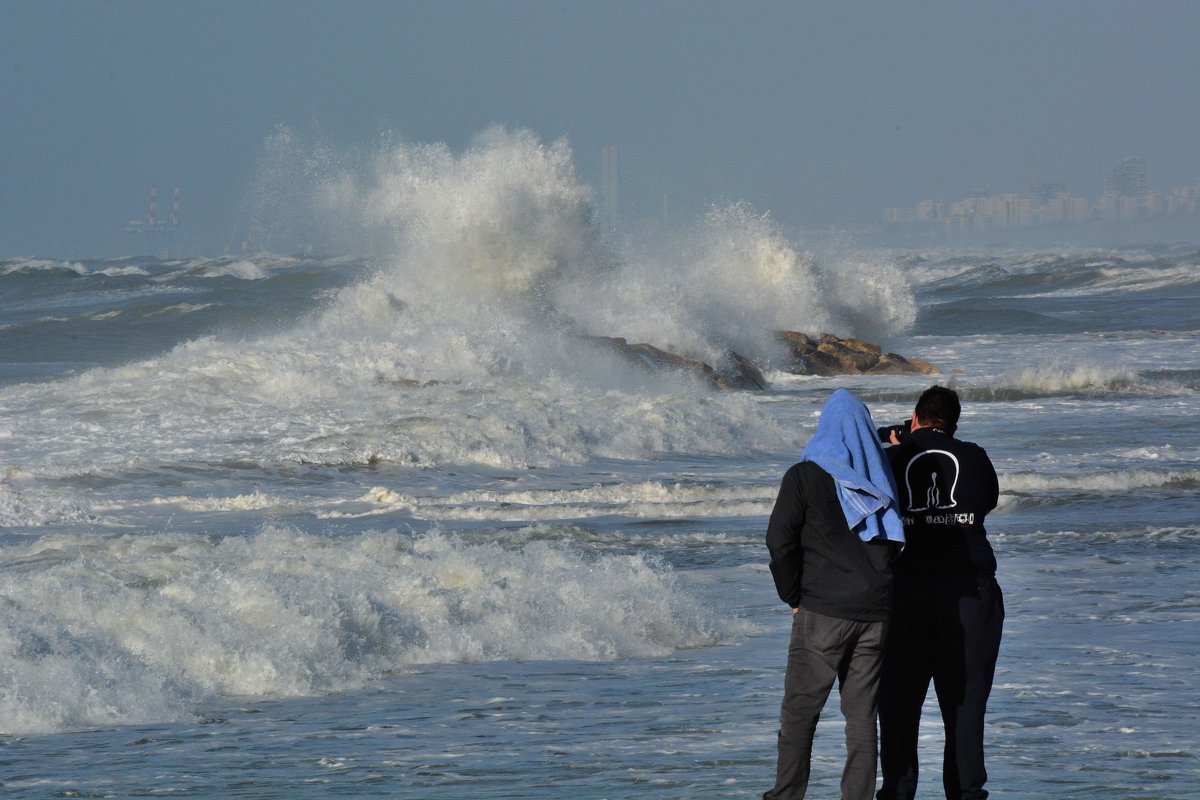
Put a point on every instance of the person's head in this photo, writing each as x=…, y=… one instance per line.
x=844, y=430
x=938, y=407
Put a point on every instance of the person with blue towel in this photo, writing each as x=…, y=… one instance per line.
x=833, y=534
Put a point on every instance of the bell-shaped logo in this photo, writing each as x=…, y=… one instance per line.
x=931, y=478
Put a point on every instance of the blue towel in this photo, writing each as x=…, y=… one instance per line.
x=846, y=445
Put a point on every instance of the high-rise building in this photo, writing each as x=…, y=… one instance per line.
x=610, y=190
x=1128, y=178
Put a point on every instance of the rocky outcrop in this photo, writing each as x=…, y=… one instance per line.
x=831, y=355
x=734, y=371
x=826, y=356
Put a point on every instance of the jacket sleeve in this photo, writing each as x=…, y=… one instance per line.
x=992, y=482
x=783, y=538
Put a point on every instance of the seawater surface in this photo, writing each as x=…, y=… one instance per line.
x=394, y=526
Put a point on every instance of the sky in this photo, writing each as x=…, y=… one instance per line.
x=817, y=113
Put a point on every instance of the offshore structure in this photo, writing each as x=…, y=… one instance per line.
x=158, y=234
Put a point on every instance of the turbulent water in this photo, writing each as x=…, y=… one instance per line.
x=394, y=526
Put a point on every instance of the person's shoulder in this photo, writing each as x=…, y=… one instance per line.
x=899, y=453
x=973, y=451
x=805, y=474
x=971, y=447
x=809, y=470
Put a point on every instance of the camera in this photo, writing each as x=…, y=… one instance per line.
x=885, y=433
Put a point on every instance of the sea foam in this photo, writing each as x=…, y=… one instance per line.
x=103, y=630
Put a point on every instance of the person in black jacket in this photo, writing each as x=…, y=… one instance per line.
x=948, y=612
x=832, y=535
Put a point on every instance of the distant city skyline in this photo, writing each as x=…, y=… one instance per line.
x=1127, y=197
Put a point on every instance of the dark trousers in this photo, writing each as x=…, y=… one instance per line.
x=944, y=628
x=822, y=649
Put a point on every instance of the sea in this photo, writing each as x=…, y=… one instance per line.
x=386, y=521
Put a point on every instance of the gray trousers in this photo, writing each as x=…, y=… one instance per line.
x=822, y=649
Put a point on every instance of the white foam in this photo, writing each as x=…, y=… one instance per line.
x=12, y=266
x=101, y=631
x=1039, y=541
x=121, y=271
x=1099, y=481
x=243, y=270
x=28, y=505
x=649, y=499
x=732, y=279
x=179, y=308
x=1075, y=377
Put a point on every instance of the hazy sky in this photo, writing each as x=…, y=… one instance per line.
x=818, y=112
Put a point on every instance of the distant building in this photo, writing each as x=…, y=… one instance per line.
x=1184, y=200
x=1126, y=199
x=929, y=211
x=1127, y=178
x=1042, y=193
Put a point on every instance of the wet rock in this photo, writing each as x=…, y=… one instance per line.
x=827, y=355
x=832, y=355
x=733, y=372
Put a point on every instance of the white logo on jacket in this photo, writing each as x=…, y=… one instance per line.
x=931, y=476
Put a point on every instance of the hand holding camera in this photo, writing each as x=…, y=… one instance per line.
x=894, y=434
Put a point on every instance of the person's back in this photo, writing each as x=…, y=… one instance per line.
x=831, y=536
x=948, y=609
x=820, y=564
x=946, y=487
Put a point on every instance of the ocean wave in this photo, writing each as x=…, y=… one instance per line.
x=657, y=500
x=119, y=268
x=1099, y=481
x=1182, y=379
x=177, y=309
x=509, y=221
x=121, y=272
x=1124, y=278
x=1065, y=380
x=243, y=270
x=250, y=267
x=1075, y=378
x=1083, y=271
x=101, y=631
x=31, y=506
x=1074, y=539
x=650, y=499
x=19, y=265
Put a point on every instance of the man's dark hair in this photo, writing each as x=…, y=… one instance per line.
x=939, y=407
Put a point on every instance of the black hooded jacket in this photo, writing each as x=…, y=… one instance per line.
x=946, y=487
x=818, y=563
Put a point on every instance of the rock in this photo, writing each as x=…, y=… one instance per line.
x=405, y=383
x=739, y=372
x=893, y=364
x=832, y=355
x=829, y=355
x=735, y=371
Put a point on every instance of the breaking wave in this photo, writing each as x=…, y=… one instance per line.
x=107, y=631
x=468, y=343
x=1102, y=482
x=1064, y=379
